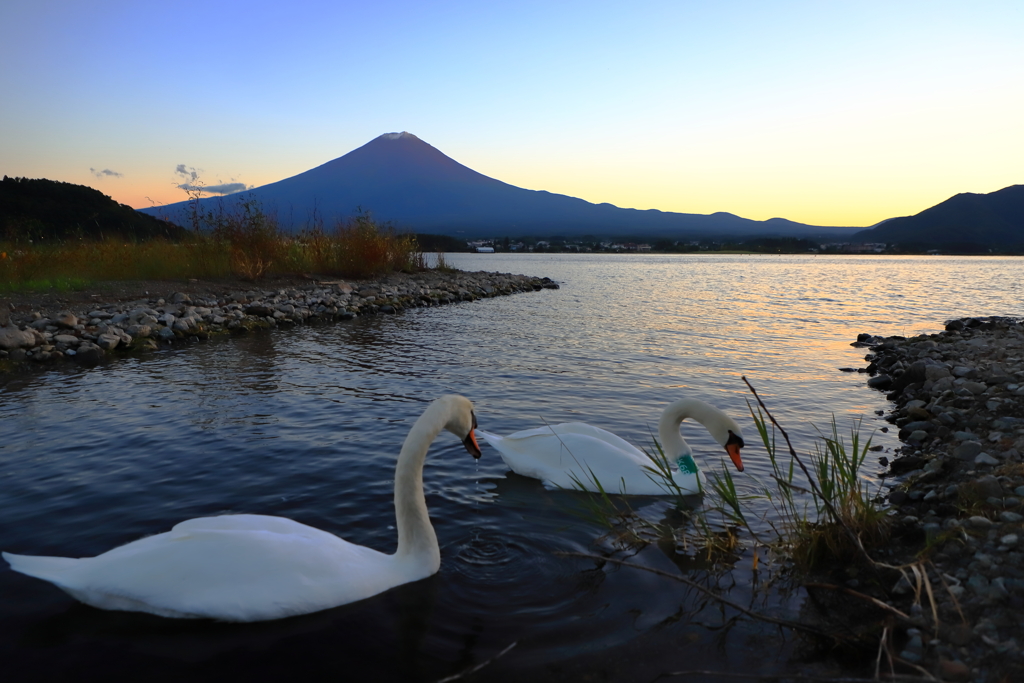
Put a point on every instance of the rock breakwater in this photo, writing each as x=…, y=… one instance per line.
x=47, y=331
x=956, y=489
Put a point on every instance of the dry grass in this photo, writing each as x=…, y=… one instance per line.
x=247, y=244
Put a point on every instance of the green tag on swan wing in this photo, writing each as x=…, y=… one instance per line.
x=686, y=464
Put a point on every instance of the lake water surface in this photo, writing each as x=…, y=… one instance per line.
x=306, y=423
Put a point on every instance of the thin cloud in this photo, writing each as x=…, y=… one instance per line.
x=225, y=188
x=192, y=183
x=189, y=172
x=106, y=173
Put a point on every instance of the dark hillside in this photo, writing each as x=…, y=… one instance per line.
x=40, y=209
x=966, y=222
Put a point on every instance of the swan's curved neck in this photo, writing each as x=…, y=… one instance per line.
x=416, y=537
x=672, y=442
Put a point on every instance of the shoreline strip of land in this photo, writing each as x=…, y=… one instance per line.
x=137, y=317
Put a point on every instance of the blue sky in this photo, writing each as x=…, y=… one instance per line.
x=822, y=112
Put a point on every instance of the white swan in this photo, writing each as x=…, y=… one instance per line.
x=257, y=567
x=574, y=453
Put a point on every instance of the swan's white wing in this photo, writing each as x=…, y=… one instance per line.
x=280, y=525
x=229, y=574
x=565, y=454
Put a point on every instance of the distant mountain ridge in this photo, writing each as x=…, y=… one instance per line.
x=399, y=178
x=39, y=209
x=967, y=222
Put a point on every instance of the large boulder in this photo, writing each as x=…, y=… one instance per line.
x=12, y=337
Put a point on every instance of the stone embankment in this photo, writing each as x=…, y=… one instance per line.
x=88, y=332
x=956, y=490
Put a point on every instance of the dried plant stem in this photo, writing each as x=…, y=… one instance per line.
x=867, y=598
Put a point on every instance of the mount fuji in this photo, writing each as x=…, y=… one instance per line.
x=399, y=178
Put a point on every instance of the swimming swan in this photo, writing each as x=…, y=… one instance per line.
x=572, y=452
x=257, y=567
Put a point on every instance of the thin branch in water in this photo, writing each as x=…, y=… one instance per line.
x=474, y=669
x=795, y=625
x=896, y=678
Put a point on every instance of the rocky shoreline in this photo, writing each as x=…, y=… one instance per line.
x=47, y=329
x=956, y=489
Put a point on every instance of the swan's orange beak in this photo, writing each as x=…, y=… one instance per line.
x=470, y=441
x=471, y=445
x=732, y=447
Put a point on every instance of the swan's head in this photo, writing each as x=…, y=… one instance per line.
x=462, y=421
x=727, y=432
x=722, y=428
x=732, y=446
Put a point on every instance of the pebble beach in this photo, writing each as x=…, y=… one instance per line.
x=955, y=490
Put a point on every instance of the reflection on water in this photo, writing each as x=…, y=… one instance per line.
x=306, y=423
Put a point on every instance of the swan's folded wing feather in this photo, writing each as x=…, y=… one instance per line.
x=616, y=442
x=41, y=567
x=570, y=458
x=231, y=575
x=247, y=522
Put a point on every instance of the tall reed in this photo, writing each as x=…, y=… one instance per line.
x=811, y=522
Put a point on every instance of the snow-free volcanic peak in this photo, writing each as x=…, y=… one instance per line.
x=398, y=177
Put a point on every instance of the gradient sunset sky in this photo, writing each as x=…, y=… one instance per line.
x=829, y=113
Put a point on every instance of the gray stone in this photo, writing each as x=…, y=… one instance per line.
x=1009, y=540
x=979, y=584
x=917, y=435
x=968, y=450
x=1011, y=517
x=1007, y=423
x=989, y=486
x=985, y=459
x=880, y=381
x=11, y=337
x=963, y=371
x=140, y=331
x=66, y=319
x=108, y=341
x=66, y=339
x=975, y=388
x=924, y=425
x=936, y=372
x=979, y=522
x=89, y=353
